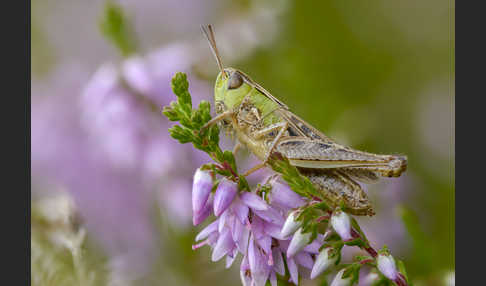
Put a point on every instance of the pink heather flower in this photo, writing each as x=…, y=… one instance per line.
x=271, y=215
x=201, y=188
x=305, y=259
x=253, y=201
x=240, y=210
x=245, y=272
x=386, y=265
x=259, y=267
x=225, y=193
x=341, y=223
x=282, y=195
x=213, y=227
x=290, y=225
x=200, y=216
x=339, y=281
x=298, y=242
x=324, y=260
x=224, y=245
x=278, y=261
x=247, y=224
x=293, y=270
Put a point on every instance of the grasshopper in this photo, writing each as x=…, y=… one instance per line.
x=265, y=125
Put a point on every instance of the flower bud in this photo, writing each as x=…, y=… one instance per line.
x=339, y=281
x=326, y=258
x=386, y=265
x=225, y=193
x=253, y=201
x=201, y=188
x=341, y=223
x=200, y=216
x=290, y=225
x=298, y=242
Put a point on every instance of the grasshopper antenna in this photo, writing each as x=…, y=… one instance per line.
x=209, y=33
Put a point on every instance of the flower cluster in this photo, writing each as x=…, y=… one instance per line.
x=249, y=224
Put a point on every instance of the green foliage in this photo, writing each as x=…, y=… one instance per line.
x=191, y=122
x=352, y=271
x=116, y=27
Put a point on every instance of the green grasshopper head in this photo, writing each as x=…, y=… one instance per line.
x=231, y=85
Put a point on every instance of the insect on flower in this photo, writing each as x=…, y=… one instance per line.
x=266, y=125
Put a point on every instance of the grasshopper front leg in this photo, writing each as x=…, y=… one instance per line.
x=225, y=115
x=282, y=127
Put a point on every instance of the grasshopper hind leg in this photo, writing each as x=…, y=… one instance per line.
x=338, y=188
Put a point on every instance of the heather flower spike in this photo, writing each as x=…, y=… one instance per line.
x=341, y=223
x=262, y=224
x=225, y=193
x=201, y=188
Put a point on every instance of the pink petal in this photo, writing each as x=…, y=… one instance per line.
x=224, y=195
x=240, y=210
x=223, y=245
x=294, y=272
x=253, y=201
x=304, y=259
x=207, y=230
x=278, y=262
x=271, y=215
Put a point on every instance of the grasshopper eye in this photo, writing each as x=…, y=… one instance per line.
x=235, y=80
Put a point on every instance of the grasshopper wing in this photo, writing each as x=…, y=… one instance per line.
x=317, y=154
x=307, y=147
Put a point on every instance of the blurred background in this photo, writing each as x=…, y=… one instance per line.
x=111, y=191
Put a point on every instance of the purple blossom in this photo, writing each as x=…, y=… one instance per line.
x=201, y=188
x=254, y=201
x=283, y=196
x=386, y=265
x=341, y=223
x=324, y=260
x=339, y=280
x=224, y=195
x=200, y=216
x=246, y=223
x=298, y=242
x=290, y=225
